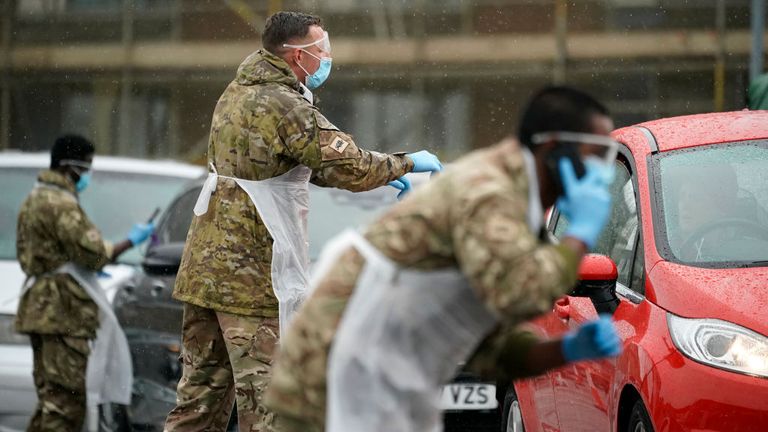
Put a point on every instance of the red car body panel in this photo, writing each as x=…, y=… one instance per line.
x=734, y=295
x=702, y=129
x=679, y=393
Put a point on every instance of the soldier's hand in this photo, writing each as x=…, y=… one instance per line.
x=424, y=161
x=402, y=184
x=595, y=339
x=587, y=202
x=140, y=232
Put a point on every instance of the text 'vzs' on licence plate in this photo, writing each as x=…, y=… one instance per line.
x=468, y=396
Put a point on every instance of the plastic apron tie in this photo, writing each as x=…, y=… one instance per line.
x=282, y=203
x=401, y=338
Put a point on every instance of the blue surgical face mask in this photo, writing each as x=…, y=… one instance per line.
x=85, y=180
x=317, y=79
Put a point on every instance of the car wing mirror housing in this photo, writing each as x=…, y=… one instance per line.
x=597, y=280
x=164, y=259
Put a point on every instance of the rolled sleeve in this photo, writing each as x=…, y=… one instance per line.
x=503, y=355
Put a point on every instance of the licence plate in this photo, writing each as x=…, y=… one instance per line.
x=468, y=396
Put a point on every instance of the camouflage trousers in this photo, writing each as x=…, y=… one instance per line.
x=226, y=358
x=60, y=364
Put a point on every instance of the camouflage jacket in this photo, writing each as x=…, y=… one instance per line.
x=53, y=230
x=471, y=217
x=263, y=127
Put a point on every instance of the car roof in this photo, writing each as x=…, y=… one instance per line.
x=702, y=129
x=107, y=163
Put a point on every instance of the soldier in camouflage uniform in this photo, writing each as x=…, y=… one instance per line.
x=264, y=125
x=479, y=216
x=55, y=311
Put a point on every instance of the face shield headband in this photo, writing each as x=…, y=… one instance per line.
x=324, y=43
x=81, y=166
x=586, y=145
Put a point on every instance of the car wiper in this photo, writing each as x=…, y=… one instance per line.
x=752, y=264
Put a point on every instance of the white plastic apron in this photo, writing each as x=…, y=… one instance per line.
x=283, y=205
x=109, y=377
x=402, y=337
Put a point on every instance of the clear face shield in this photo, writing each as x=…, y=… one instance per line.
x=323, y=43
x=582, y=149
x=318, y=77
x=81, y=167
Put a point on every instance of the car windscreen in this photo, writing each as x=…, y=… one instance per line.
x=114, y=201
x=331, y=212
x=712, y=202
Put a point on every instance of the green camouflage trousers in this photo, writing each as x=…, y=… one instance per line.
x=60, y=364
x=226, y=358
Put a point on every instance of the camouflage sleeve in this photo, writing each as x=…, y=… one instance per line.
x=333, y=156
x=81, y=239
x=502, y=355
x=515, y=274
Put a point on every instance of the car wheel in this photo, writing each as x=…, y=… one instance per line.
x=639, y=420
x=512, y=416
x=113, y=418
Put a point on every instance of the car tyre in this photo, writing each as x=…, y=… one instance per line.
x=639, y=420
x=512, y=415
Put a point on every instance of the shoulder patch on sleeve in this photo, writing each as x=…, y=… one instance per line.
x=339, y=145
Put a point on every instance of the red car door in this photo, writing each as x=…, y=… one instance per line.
x=582, y=389
x=536, y=395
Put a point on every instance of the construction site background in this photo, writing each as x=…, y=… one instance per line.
x=141, y=77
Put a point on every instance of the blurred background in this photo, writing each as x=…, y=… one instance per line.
x=141, y=77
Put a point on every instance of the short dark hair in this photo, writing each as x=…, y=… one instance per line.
x=281, y=27
x=70, y=146
x=558, y=108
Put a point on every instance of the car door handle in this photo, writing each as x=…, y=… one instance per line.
x=563, y=309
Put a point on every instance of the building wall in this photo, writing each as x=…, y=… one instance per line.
x=142, y=76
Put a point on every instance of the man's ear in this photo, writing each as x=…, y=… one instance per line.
x=297, y=55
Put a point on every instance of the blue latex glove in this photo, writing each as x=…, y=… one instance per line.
x=140, y=232
x=402, y=184
x=595, y=339
x=587, y=202
x=424, y=161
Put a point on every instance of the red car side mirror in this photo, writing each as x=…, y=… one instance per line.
x=596, y=267
x=597, y=280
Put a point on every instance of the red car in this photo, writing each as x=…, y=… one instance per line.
x=682, y=267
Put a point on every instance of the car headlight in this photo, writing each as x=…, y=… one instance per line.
x=721, y=344
x=8, y=335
